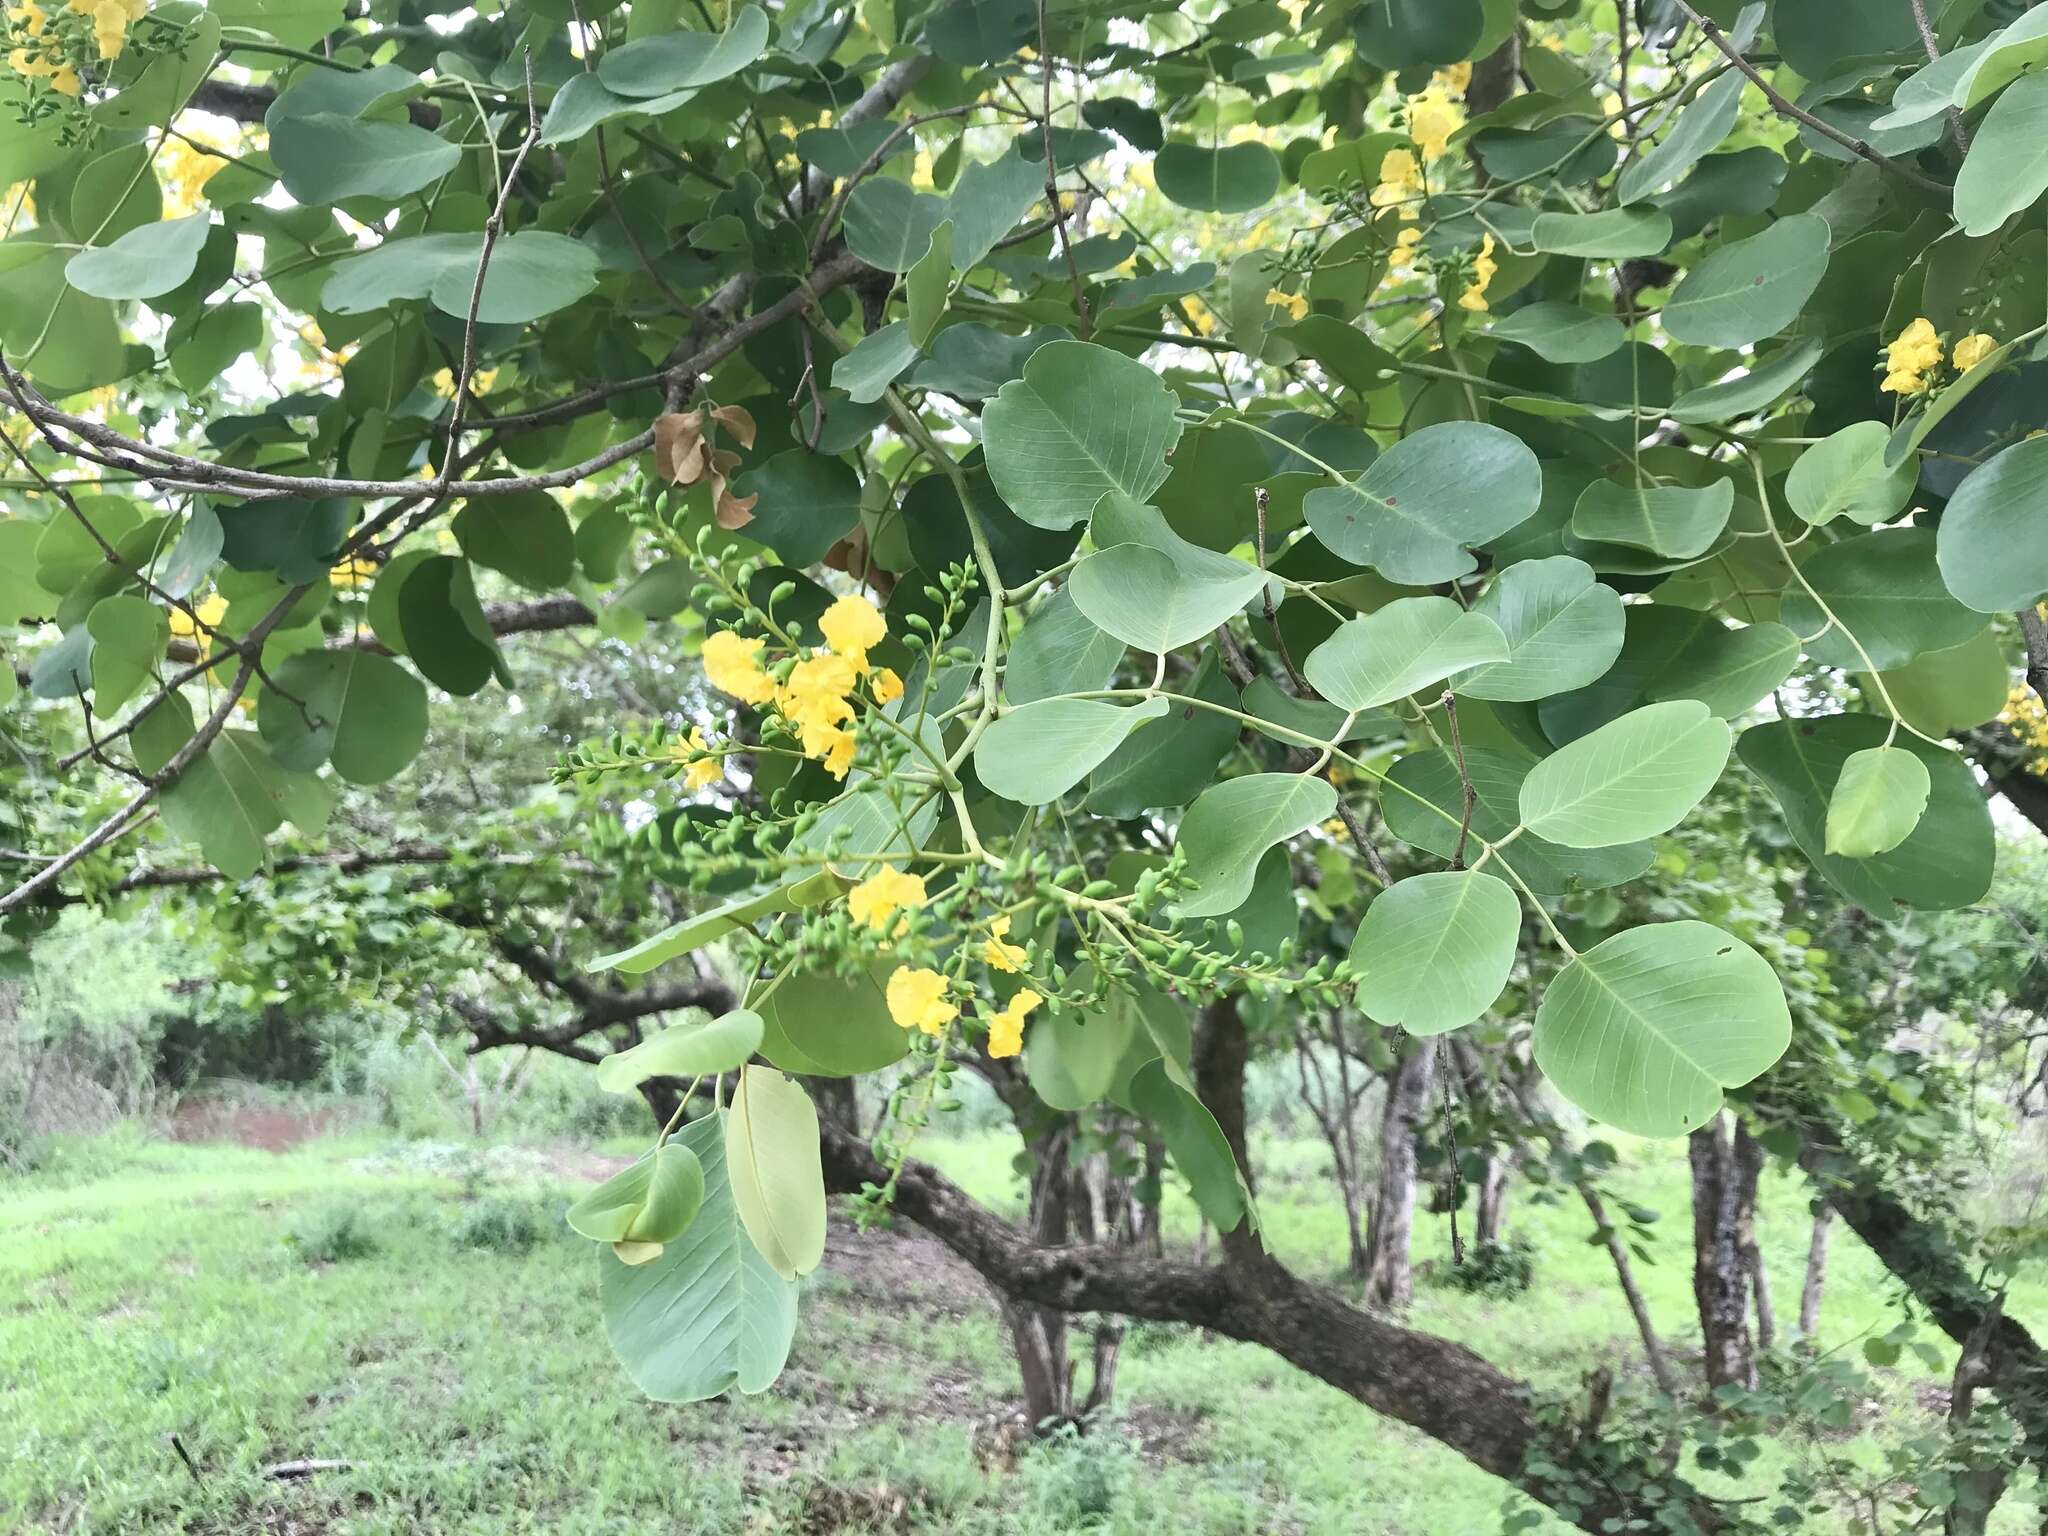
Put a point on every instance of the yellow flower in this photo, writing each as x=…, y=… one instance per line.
x=352, y=572
x=66, y=82
x=875, y=900
x=32, y=18
x=814, y=700
x=1455, y=78
x=1403, y=252
x=886, y=686
x=1972, y=350
x=733, y=664
x=917, y=1000
x=1295, y=304
x=1432, y=118
x=31, y=66
x=1006, y=1029
x=1910, y=357
x=853, y=626
x=1483, y=268
x=210, y=613
x=1203, y=317
x=110, y=27
x=838, y=753
x=702, y=769
x=998, y=955
x=1400, y=174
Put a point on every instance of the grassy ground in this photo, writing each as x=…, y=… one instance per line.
x=415, y=1310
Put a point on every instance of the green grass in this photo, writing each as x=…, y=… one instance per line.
x=344, y=1301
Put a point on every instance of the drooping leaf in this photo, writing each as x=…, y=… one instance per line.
x=1082, y=422
x=832, y=1026
x=1563, y=629
x=2007, y=166
x=1434, y=950
x=128, y=635
x=1646, y=1029
x=772, y=1161
x=1060, y=650
x=1036, y=753
x=1630, y=779
x=1196, y=1144
x=686, y=1051
x=1229, y=828
x=1703, y=124
x=649, y=1204
x=1410, y=644
x=1415, y=507
x=1765, y=384
x=526, y=536
x=889, y=224
x=708, y=1313
x=1877, y=801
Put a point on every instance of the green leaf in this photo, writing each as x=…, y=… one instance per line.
x=202, y=353
x=1406, y=646
x=833, y=1026
x=929, y=284
x=974, y=32
x=1989, y=543
x=1059, y=650
x=1947, y=861
x=1765, y=383
x=1424, y=805
x=128, y=636
x=1073, y=1059
x=295, y=23
x=191, y=559
x=1234, y=178
x=1175, y=760
x=772, y=1160
x=808, y=503
x=532, y=273
x=1632, y=778
x=585, y=102
x=1229, y=828
x=327, y=158
x=875, y=363
x=1608, y=234
x=361, y=711
x=1434, y=951
x=1434, y=491
x=709, y=1313
x=1676, y=521
x=1036, y=753
x=1703, y=124
x=170, y=77
x=1952, y=690
x=1196, y=1144
x=1563, y=630
x=693, y=933
x=1144, y=598
x=1561, y=333
x=986, y=203
x=1749, y=289
x=446, y=634
x=1877, y=802
x=685, y=61
x=1408, y=34
x=295, y=537
x=1844, y=475
x=1885, y=589
x=1082, y=422
x=398, y=269
x=652, y=1202
x=144, y=263
x=688, y=1051
x=1646, y=1029
x=21, y=595
x=524, y=535
x=888, y=225
x=2007, y=166
x=341, y=92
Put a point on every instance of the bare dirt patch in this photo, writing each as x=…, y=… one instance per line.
x=265, y=1127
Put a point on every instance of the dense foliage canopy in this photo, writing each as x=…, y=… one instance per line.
x=1295, y=499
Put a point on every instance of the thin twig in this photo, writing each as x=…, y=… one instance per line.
x=1785, y=108
x=1052, y=181
x=2034, y=629
x=1450, y=703
x=1956, y=128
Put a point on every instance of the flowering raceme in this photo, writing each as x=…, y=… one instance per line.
x=1483, y=268
x=1910, y=357
x=733, y=663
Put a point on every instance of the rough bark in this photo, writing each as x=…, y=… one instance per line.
x=1719, y=1278
x=1981, y=1484
x=1390, y=1278
x=1749, y=1170
x=1490, y=1222
x=1816, y=1270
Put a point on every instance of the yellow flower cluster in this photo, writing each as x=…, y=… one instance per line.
x=701, y=765
x=917, y=999
x=1432, y=118
x=209, y=613
x=878, y=898
x=1483, y=268
x=352, y=573
x=1296, y=304
x=185, y=171
x=43, y=57
x=1400, y=179
x=816, y=698
x=2025, y=716
x=922, y=998
x=1913, y=356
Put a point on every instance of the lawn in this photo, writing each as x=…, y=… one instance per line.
x=416, y=1310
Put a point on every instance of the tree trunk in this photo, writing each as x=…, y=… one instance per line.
x=1981, y=1484
x=1624, y=1273
x=1493, y=1200
x=1749, y=1171
x=1391, y=1277
x=836, y=1097
x=1719, y=1278
x=1816, y=1270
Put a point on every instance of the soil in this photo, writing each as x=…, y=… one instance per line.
x=247, y=1125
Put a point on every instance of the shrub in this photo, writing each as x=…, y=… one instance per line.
x=1493, y=1269
x=330, y=1234
x=503, y=1224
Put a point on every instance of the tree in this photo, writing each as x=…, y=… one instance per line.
x=1073, y=607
